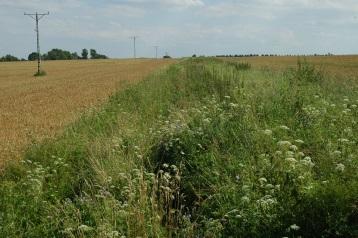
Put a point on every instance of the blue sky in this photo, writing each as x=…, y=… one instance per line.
x=182, y=27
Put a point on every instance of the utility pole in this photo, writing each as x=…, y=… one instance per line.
x=156, y=51
x=37, y=17
x=134, y=46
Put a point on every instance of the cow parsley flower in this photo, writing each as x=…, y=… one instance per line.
x=291, y=160
x=85, y=228
x=262, y=180
x=340, y=167
x=284, y=144
x=283, y=127
x=293, y=147
x=268, y=132
x=307, y=161
x=294, y=227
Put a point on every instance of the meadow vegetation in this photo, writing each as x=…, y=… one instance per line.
x=206, y=148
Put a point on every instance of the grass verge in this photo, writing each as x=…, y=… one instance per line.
x=203, y=149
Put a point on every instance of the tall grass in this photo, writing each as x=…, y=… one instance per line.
x=203, y=149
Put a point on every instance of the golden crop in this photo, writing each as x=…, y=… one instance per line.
x=35, y=108
x=341, y=66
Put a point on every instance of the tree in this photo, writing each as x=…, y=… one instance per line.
x=84, y=54
x=32, y=56
x=58, y=54
x=74, y=56
x=8, y=58
x=94, y=55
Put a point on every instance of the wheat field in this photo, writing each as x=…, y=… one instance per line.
x=341, y=66
x=35, y=108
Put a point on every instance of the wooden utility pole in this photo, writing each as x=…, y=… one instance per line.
x=37, y=17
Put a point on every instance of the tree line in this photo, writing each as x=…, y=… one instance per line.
x=267, y=55
x=10, y=58
x=57, y=54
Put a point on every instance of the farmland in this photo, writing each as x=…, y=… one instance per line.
x=38, y=108
x=205, y=148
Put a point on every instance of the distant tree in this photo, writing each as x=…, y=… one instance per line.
x=95, y=55
x=8, y=58
x=194, y=56
x=74, y=56
x=84, y=54
x=32, y=56
x=58, y=54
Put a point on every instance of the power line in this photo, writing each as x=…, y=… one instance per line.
x=37, y=17
x=156, y=51
x=134, y=46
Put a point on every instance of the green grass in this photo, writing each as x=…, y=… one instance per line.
x=202, y=149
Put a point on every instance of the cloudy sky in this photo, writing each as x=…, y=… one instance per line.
x=182, y=27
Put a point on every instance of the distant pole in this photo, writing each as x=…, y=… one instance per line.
x=134, y=46
x=37, y=17
x=156, y=51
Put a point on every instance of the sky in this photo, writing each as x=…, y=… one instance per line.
x=182, y=27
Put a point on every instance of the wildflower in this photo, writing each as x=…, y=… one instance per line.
x=353, y=106
x=284, y=144
x=85, y=228
x=343, y=140
x=301, y=154
x=237, y=177
x=268, y=132
x=245, y=188
x=262, y=180
x=283, y=127
x=299, y=141
x=267, y=201
x=307, y=161
x=293, y=147
x=346, y=111
x=346, y=100
x=333, y=105
x=68, y=230
x=269, y=186
x=165, y=165
x=290, y=154
x=340, y=167
x=233, y=211
x=206, y=120
x=278, y=153
x=245, y=199
x=294, y=227
x=114, y=234
x=291, y=160
x=233, y=105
